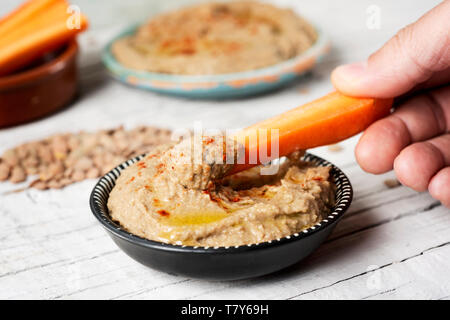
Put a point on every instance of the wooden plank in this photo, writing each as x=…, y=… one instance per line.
x=419, y=277
x=52, y=247
x=335, y=261
x=36, y=259
x=45, y=227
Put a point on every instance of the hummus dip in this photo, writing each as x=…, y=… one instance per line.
x=169, y=197
x=216, y=38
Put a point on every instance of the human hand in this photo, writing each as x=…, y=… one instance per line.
x=414, y=140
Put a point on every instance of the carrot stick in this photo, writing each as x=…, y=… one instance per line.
x=33, y=45
x=22, y=15
x=327, y=120
x=53, y=12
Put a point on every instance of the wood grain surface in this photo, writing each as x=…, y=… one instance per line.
x=393, y=243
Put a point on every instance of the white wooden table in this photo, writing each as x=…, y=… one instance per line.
x=393, y=243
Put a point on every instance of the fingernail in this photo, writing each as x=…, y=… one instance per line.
x=351, y=72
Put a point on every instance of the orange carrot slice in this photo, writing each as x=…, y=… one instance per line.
x=22, y=15
x=54, y=12
x=327, y=120
x=44, y=33
x=28, y=48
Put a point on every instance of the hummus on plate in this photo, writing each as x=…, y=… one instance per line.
x=169, y=197
x=216, y=38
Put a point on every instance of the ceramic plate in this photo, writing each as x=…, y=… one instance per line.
x=222, y=85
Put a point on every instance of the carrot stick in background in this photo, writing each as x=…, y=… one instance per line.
x=53, y=13
x=327, y=120
x=23, y=14
x=40, y=29
x=35, y=44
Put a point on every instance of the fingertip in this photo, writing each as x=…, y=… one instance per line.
x=380, y=144
x=439, y=186
x=405, y=172
x=346, y=78
x=363, y=80
x=367, y=156
x=417, y=164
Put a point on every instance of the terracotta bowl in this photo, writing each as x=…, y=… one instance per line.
x=43, y=88
x=222, y=263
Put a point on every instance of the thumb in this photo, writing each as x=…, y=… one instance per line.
x=411, y=57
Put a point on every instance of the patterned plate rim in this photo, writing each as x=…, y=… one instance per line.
x=100, y=194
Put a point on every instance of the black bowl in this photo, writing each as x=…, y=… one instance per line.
x=221, y=263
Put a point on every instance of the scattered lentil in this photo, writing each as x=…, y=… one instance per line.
x=63, y=159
